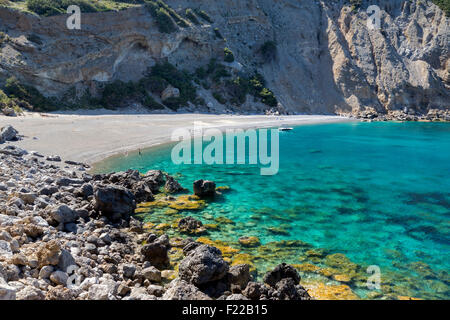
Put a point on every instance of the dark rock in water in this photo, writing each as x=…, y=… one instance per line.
x=142, y=186
x=202, y=265
x=191, y=225
x=280, y=272
x=172, y=186
x=179, y=289
x=156, y=251
x=239, y=277
x=204, y=188
x=8, y=133
x=114, y=202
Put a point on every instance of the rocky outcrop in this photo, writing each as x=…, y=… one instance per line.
x=191, y=225
x=114, y=202
x=156, y=249
x=203, y=265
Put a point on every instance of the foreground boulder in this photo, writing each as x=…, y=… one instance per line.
x=114, y=202
x=202, y=265
x=156, y=250
x=8, y=133
x=204, y=188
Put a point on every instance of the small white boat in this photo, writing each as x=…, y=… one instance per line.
x=285, y=129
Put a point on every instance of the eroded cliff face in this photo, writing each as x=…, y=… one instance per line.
x=327, y=60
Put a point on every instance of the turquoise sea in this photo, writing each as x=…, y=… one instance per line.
x=379, y=193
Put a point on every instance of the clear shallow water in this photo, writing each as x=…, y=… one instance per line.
x=377, y=192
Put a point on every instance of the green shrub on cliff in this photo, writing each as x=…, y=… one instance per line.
x=192, y=17
x=444, y=5
x=229, y=56
x=119, y=94
x=53, y=7
x=268, y=50
x=178, y=79
x=162, y=17
x=202, y=14
x=29, y=95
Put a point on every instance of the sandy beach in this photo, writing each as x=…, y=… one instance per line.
x=91, y=137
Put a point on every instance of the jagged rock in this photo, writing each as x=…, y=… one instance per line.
x=255, y=291
x=48, y=253
x=7, y=292
x=128, y=270
x=30, y=293
x=172, y=186
x=64, y=214
x=179, y=289
x=286, y=289
x=191, y=225
x=5, y=250
x=152, y=274
x=155, y=290
x=65, y=260
x=239, y=277
x=236, y=296
x=202, y=265
x=59, y=278
x=8, y=133
x=156, y=252
x=204, y=188
x=45, y=272
x=280, y=272
x=114, y=202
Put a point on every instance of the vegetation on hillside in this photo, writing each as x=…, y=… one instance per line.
x=27, y=96
x=268, y=51
x=229, y=56
x=444, y=5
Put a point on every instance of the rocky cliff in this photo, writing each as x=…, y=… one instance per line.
x=326, y=60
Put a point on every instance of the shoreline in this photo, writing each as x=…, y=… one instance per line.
x=92, y=138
